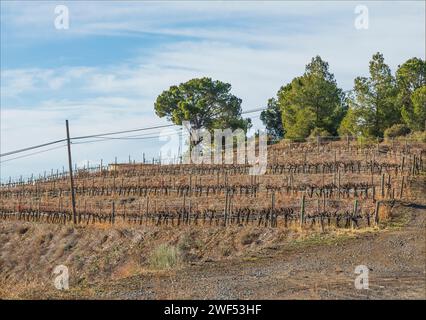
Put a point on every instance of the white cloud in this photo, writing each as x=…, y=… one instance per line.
x=257, y=47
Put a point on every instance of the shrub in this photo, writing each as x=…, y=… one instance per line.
x=367, y=141
x=164, y=257
x=419, y=136
x=319, y=132
x=397, y=130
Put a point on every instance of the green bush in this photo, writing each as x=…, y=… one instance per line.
x=319, y=132
x=164, y=257
x=397, y=130
x=419, y=136
x=367, y=141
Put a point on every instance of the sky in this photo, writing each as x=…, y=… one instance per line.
x=105, y=71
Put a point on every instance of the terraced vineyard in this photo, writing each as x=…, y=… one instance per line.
x=338, y=183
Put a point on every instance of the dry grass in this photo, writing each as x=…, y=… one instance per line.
x=164, y=257
x=249, y=236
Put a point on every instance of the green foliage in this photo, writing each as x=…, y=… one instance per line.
x=418, y=99
x=350, y=126
x=373, y=103
x=319, y=132
x=311, y=101
x=312, y=104
x=271, y=118
x=205, y=103
x=410, y=77
x=419, y=136
x=397, y=130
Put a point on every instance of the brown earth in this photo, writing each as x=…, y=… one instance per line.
x=244, y=264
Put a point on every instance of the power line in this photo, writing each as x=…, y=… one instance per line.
x=126, y=138
x=121, y=132
x=143, y=129
x=31, y=148
x=33, y=153
x=103, y=135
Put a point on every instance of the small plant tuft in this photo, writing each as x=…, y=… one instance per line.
x=397, y=130
x=164, y=257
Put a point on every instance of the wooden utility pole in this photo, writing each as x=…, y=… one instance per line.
x=74, y=215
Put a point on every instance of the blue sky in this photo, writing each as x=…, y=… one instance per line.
x=105, y=71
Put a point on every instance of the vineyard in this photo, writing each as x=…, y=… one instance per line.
x=327, y=183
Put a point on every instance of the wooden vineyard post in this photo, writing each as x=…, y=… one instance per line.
x=147, y=209
x=335, y=164
x=376, y=213
x=184, y=208
x=324, y=201
x=354, y=213
x=273, y=218
x=74, y=216
x=226, y=208
x=188, y=217
x=113, y=213
x=100, y=212
x=304, y=162
x=85, y=212
x=302, y=210
x=230, y=207
x=378, y=145
x=414, y=165
x=382, y=186
x=338, y=183
x=38, y=208
x=402, y=187
x=389, y=187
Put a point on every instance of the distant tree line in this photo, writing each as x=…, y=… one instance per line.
x=382, y=104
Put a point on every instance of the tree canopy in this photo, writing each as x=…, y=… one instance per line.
x=373, y=106
x=311, y=101
x=411, y=82
x=204, y=103
x=311, y=104
x=271, y=118
x=418, y=100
